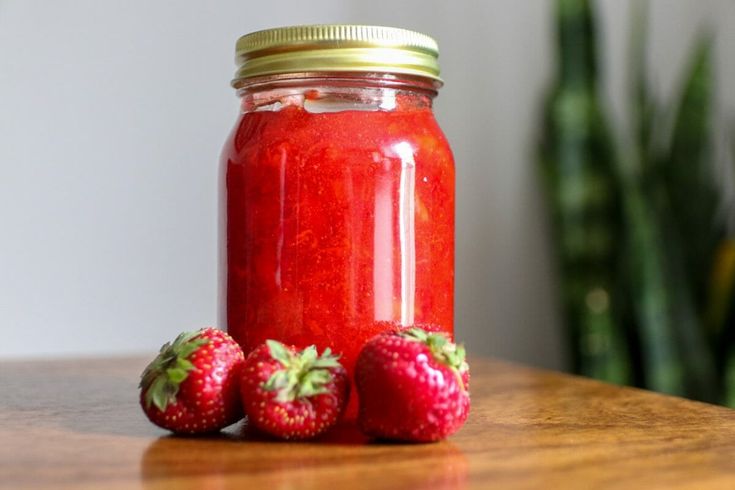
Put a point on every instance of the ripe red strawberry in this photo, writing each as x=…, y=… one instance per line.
x=293, y=394
x=412, y=386
x=192, y=385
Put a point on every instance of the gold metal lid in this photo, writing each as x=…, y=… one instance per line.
x=336, y=48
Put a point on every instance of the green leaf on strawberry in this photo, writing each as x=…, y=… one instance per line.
x=304, y=373
x=169, y=369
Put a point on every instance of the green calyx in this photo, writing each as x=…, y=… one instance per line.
x=304, y=373
x=442, y=349
x=163, y=376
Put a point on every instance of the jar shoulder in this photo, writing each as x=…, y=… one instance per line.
x=296, y=131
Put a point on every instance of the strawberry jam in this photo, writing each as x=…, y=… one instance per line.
x=337, y=219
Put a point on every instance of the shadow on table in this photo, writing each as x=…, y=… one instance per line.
x=342, y=457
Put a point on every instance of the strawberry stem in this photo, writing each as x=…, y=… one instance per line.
x=304, y=373
x=163, y=376
x=442, y=349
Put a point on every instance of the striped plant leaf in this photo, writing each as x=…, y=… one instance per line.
x=577, y=160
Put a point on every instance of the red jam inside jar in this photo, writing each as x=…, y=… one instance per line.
x=337, y=211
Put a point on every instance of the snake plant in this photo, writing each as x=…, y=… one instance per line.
x=647, y=271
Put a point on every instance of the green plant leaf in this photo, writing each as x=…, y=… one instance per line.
x=675, y=355
x=688, y=172
x=643, y=107
x=577, y=159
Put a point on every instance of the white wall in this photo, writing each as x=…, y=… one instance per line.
x=112, y=115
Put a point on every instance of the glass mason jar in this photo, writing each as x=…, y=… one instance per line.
x=337, y=190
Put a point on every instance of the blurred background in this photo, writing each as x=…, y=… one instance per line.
x=113, y=114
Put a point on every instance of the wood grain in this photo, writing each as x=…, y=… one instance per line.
x=76, y=424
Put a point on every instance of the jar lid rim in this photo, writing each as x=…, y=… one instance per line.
x=336, y=48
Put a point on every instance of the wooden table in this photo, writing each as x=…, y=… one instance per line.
x=76, y=424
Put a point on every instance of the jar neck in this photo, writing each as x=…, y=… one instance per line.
x=336, y=92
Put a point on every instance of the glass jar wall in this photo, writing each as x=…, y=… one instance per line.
x=337, y=210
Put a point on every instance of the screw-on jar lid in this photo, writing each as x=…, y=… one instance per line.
x=336, y=48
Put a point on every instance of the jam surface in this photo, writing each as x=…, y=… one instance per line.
x=335, y=227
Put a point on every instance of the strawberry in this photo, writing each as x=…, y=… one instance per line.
x=293, y=394
x=412, y=385
x=192, y=385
